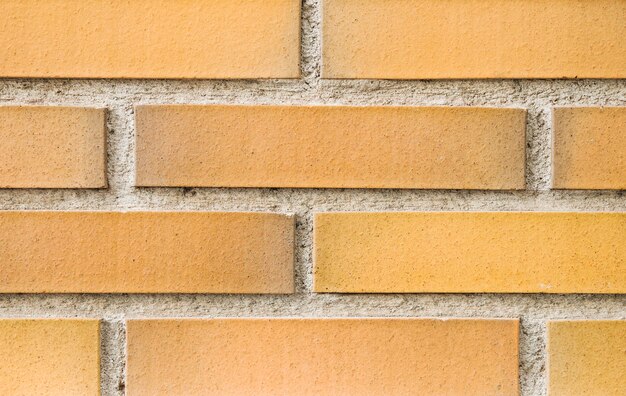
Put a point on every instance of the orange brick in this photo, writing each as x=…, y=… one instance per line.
x=150, y=39
x=49, y=357
x=335, y=147
x=145, y=252
x=52, y=147
x=470, y=252
x=589, y=148
x=322, y=356
x=587, y=358
x=433, y=39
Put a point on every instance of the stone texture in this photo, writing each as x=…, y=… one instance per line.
x=337, y=147
x=50, y=357
x=589, y=148
x=322, y=356
x=587, y=358
x=150, y=39
x=145, y=252
x=470, y=252
x=428, y=39
x=52, y=147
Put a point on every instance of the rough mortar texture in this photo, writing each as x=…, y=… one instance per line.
x=119, y=97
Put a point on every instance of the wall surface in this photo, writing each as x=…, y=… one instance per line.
x=119, y=96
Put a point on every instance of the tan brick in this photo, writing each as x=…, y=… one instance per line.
x=52, y=147
x=432, y=39
x=470, y=252
x=589, y=148
x=322, y=356
x=335, y=147
x=587, y=358
x=150, y=39
x=49, y=357
x=145, y=252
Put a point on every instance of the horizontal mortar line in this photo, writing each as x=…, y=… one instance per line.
x=122, y=316
x=162, y=307
x=195, y=192
x=310, y=299
x=495, y=94
x=95, y=82
x=556, y=311
x=297, y=212
x=290, y=206
x=528, y=101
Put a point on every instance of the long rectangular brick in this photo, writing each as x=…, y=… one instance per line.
x=452, y=39
x=146, y=252
x=589, y=148
x=52, y=147
x=468, y=252
x=587, y=358
x=50, y=357
x=150, y=39
x=322, y=357
x=330, y=146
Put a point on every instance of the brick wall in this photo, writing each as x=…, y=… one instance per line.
x=327, y=197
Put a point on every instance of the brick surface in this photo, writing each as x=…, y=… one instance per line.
x=470, y=252
x=145, y=252
x=589, y=148
x=431, y=39
x=52, y=147
x=49, y=357
x=150, y=39
x=189, y=125
x=587, y=358
x=320, y=146
x=322, y=356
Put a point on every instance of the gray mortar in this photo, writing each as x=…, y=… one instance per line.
x=119, y=97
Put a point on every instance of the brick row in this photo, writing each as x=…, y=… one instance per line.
x=313, y=147
x=52, y=147
x=452, y=252
x=322, y=146
x=322, y=356
x=410, y=39
x=393, y=356
x=150, y=39
x=211, y=252
x=146, y=252
x=456, y=39
x=587, y=357
x=50, y=357
x=589, y=148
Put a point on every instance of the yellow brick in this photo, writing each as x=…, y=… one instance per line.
x=49, y=357
x=336, y=147
x=145, y=252
x=52, y=147
x=150, y=39
x=589, y=148
x=587, y=358
x=432, y=39
x=470, y=252
x=322, y=357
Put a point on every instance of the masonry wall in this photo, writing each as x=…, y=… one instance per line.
x=422, y=208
